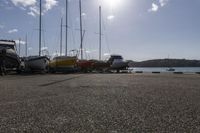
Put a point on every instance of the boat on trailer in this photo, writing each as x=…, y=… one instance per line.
x=9, y=60
x=37, y=63
x=117, y=63
x=63, y=64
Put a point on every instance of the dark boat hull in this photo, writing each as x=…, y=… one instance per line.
x=9, y=59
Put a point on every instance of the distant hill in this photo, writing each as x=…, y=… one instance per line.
x=166, y=63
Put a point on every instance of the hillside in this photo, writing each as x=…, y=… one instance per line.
x=167, y=63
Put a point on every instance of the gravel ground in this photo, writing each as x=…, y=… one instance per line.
x=100, y=103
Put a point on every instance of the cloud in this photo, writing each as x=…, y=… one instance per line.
x=110, y=17
x=21, y=42
x=31, y=13
x=34, y=10
x=163, y=2
x=83, y=14
x=49, y=4
x=91, y=51
x=31, y=6
x=154, y=8
x=24, y=3
x=13, y=31
x=106, y=54
x=44, y=48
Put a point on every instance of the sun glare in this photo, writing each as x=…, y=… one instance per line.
x=112, y=3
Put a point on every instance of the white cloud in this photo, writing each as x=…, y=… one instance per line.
x=13, y=31
x=90, y=51
x=34, y=10
x=24, y=3
x=31, y=6
x=49, y=4
x=21, y=42
x=44, y=48
x=31, y=13
x=163, y=2
x=110, y=17
x=154, y=8
x=106, y=54
x=83, y=14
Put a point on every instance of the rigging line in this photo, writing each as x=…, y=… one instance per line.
x=43, y=33
x=57, y=38
x=71, y=29
x=106, y=37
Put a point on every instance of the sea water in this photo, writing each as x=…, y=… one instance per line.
x=164, y=69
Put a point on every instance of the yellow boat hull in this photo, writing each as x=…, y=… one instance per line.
x=63, y=63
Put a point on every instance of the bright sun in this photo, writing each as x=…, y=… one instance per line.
x=112, y=3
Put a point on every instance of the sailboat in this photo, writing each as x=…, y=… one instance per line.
x=38, y=63
x=115, y=62
x=9, y=60
x=63, y=63
x=170, y=69
x=83, y=64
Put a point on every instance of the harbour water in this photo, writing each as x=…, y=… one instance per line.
x=164, y=69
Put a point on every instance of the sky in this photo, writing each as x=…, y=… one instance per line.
x=136, y=29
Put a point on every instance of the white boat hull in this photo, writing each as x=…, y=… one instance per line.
x=119, y=64
x=38, y=63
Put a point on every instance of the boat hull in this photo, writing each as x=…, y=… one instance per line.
x=84, y=64
x=37, y=63
x=100, y=66
x=119, y=65
x=9, y=58
x=63, y=64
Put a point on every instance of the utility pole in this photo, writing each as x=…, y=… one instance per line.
x=99, y=32
x=61, y=36
x=81, y=29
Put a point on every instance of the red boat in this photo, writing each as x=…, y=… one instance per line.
x=85, y=65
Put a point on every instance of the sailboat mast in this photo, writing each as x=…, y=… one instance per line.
x=40, y=28
x=61, y=36
x=26, y=49
x=66, y=37
x=99, y=32
x=81, y=30
x=19, y=46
